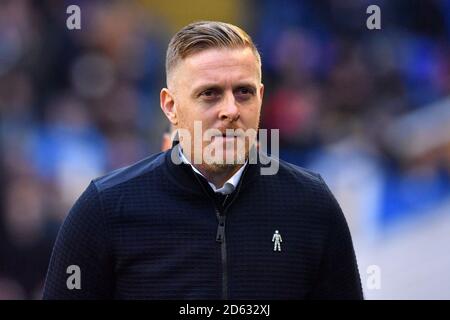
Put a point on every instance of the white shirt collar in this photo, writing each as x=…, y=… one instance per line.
x=228, y=187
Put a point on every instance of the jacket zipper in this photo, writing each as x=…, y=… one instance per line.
x=220, y=237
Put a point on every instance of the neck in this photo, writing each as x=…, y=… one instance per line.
x=218, y=175
x=214, y=173
x=182, y=175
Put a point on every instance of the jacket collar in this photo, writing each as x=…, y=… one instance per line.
x=183, y=176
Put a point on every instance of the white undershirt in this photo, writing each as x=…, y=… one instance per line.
x=228, y=187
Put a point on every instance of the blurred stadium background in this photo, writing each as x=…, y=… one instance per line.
x=369, y=110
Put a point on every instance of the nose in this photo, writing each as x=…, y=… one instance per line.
x=229, y=111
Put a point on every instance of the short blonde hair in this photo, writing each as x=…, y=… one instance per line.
x=202, y=35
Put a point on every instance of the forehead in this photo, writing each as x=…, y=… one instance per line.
x=219, y=66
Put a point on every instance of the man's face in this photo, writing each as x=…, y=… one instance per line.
x=222, y=89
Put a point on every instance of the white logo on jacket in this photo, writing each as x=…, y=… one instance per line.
x=276, y=239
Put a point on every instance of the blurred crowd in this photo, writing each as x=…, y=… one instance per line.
x=368, y=109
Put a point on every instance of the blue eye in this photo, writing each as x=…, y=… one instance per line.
x=245, y=92
x=207, y=93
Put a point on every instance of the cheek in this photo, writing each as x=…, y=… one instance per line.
x=207, y=116
x=251, y=115
x=183, y=113
x=191, y=113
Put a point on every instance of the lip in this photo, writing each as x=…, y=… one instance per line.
x=224, y=137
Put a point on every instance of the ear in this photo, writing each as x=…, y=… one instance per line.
x=261, y=91
x=168, y=106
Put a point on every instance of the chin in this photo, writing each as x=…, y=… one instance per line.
x=238, y=160
x=219, y=167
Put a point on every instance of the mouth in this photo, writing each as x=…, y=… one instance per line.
x=229, y=133
x=226, y=136
x=227, y=140
x=223, y=138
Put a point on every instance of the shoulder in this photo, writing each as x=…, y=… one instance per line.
x=291, y=173
x=126, y=174
x=310, y=189
x=306, y=186
x=301, y=174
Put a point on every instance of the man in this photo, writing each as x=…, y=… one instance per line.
x=189, y=224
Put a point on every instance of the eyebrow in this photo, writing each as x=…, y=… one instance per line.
x=245, y=84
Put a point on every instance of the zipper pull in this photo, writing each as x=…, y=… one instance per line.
x=220, y=231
